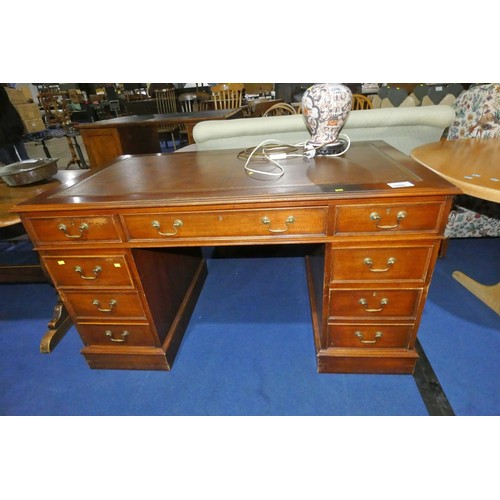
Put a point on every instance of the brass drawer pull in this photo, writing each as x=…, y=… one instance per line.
x=82, y=228
x=369, y=262
x=364, y=303
x=378, y=335
x=176, y=225
x=399, y=217
x=123, y=336
x=97, y=270
x=267, y=221
x=112, y=304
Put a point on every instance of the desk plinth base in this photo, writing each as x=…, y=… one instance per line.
x=150, y=358
x=347, y=361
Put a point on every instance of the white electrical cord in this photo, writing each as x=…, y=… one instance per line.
x=282, y=151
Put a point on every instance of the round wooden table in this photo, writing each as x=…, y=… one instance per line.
x=473, y=165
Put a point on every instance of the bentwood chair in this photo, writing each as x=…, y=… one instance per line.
x=282, y=108
x=360, y=101
x=227, y=95
x=166, y=103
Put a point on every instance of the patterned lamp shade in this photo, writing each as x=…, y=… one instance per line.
x=325, y=107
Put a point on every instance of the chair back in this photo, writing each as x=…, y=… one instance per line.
x=166, y=101
x=227, y=95
x=280, y=109
x=360, y=101
x=194, y=101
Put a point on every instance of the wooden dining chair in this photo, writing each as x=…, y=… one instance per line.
x=191, y=102
x=280, y=109
x=166, y=103
x=360, y=101
x=227, y=95
x=194, y=101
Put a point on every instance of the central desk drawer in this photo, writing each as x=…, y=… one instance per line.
x=234, y=223
x=85, y=271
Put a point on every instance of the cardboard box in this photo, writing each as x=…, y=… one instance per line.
x=27, y=92
x=36, y=125
x=75, y=96
x=28, y=111
x=16, y=96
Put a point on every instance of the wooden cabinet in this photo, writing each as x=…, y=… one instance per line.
x=123, y=249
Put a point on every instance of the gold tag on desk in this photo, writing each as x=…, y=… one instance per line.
x=61, y=262
x=117, y=264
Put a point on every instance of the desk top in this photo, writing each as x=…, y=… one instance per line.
x=470, y=164
x=163, y=119
x=214, y=178
x=11, y=195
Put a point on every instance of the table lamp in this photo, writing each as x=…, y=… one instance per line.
x=325, y=107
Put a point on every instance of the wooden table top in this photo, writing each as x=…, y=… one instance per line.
x=211, y=178
x=11, y=195
x=164, y=119
x=471, y=164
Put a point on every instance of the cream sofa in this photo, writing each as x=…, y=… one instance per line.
x=403, y=128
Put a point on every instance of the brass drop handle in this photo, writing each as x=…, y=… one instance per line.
x=364, y=303
x=267, y=221
x=123, y=336
x=112, y=304
x=97, y=270
x=378, y=335
x=390, y=262
x=399, y=217
x=81, y=228
x=176, y=225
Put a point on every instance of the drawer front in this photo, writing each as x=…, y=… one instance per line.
x=381, y=264
x=98, y=304
x=388, y=218
x=119, y=334
x=369, y=336
x=85, y=271
x=74, y=229
x=224, y=224
x=373, y=304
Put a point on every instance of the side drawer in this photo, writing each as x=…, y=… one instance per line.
x=119, y=334
x=373, y=304
x=369, y=336
x=225, y=224
x=74, y=229
x=85, y=271
x=381, y=263
x=106, y=306
x=389, y=217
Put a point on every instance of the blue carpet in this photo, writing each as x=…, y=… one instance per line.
x=249, y=350
x=459, y=333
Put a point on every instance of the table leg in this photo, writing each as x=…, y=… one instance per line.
x=189, y=130
x=489, y=294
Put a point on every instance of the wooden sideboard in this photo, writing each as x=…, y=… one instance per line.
x=105, y=140
x=123, y=248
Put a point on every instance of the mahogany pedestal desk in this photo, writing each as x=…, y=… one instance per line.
x=122, y=246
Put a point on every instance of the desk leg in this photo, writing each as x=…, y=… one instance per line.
x=489, y=294
x=58, y=326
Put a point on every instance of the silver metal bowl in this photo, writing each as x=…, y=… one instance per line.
x=29, y=171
